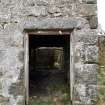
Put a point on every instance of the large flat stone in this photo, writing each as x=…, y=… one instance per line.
x=53, y=23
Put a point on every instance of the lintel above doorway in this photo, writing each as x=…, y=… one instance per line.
x=48, y=32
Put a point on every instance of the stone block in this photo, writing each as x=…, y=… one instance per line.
x=37, y=11
x=21, y=56
x=4, y=99
x=53, y=9
x=2, y=55
x=51, y=23
x=21, y=102
x=88, y=37
x=80, y=94
x=79, y=52
x=93, y=22
x=90, y=1
x=85, y=94
x=91, y=54
x=92, y=92
x=47, y=2
x=87, y=9
x=86, y=73
x=17, y=89
x=5, y=14
x=57, y=14
x=40, y=3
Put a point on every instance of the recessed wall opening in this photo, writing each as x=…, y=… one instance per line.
x=49, y=69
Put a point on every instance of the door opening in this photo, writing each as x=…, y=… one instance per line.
x=48, y=68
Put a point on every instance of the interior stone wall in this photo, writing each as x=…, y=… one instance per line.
x=79, y=15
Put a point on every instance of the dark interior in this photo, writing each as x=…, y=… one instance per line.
x=45, y=72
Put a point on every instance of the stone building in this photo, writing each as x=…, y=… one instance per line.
x=20, y=19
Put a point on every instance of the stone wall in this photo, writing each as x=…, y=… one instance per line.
x=85, y=67
x=78, y=15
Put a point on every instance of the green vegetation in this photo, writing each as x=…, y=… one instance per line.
x=60, y=96
x=50, y=101
x=101, y=76
x=40, y=102
x=101, y=86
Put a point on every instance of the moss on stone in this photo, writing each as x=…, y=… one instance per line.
x=101, y=74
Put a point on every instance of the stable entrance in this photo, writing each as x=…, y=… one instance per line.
x=47, y=69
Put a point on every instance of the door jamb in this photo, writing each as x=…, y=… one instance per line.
x=26, y=58
x=26, y=61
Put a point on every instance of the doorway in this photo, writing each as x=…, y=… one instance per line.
x=48, y=76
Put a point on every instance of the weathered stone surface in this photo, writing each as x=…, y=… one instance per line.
x=80, y=93
x=55, y=23
x=21, y=56
x=93, y=22
x=41, y=2
x=79, y=52
x=90, y=1
x=37, y=11
x=2, y=54
x=5, y=14
x=17, y=89
x=86, y=94
x=78, y=15
x=53, y=9
x=85, y=9
x=86, y=36
x=49, y=23
x=86, y=73
x=48, y=2
x=3, y=99
x=91, y=54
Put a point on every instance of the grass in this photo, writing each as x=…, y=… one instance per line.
x=41, y=102
x=49, y=101
x=101, y=76
x=59, y=91
x=63, y=98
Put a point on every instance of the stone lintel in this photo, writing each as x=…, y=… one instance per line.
x=53, y=23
